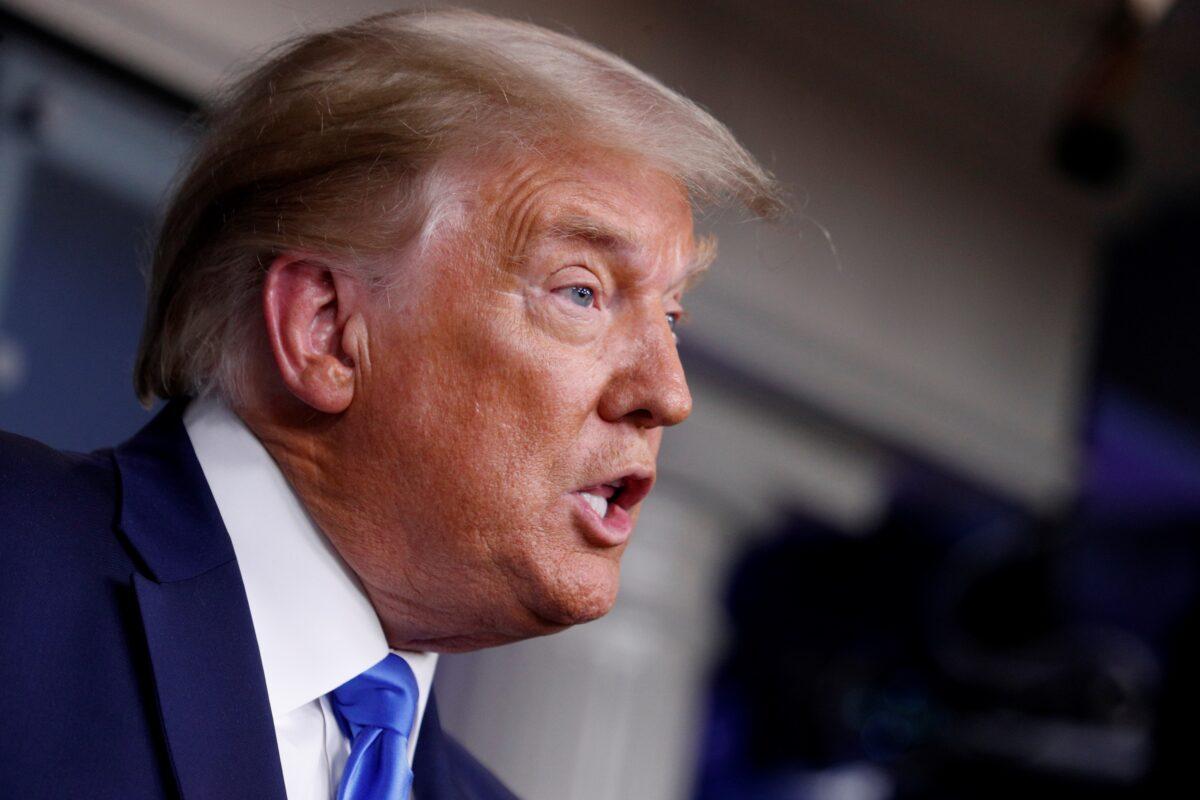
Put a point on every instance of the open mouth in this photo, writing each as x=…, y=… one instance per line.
x=611, y=501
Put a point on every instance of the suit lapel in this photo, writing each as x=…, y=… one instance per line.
x=210, y=688
x=203, y=651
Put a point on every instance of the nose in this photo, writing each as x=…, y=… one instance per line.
x=648, y=389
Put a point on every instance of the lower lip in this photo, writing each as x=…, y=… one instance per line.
x=612, y=530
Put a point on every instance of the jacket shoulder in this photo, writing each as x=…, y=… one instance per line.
x=33, y=474
x=56, y=506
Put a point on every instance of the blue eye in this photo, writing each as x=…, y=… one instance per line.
x=672, y=320
x=581, y=296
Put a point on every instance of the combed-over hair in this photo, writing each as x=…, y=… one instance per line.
x=329, y=146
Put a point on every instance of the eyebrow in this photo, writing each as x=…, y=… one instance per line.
x=594, y=232
x=603, y=236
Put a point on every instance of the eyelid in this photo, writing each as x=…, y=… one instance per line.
x=583, y=271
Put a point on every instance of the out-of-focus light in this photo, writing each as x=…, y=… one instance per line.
x=1150, y=12
x=12, y=366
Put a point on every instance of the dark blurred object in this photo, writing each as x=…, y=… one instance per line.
x=1143, y=474
x=1173, y=772
x=1092, y=150
x=956, y=664
x=1050, y=691
x=831, y=673
x=1148, y=341
x=949, y=655
x=1091, y=145
x=829, y=668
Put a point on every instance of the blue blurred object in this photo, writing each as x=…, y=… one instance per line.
x=72, y=311
x=86, y=155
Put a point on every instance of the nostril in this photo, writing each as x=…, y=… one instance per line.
x=643, y=417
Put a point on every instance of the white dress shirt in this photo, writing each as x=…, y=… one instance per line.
x=316, y=628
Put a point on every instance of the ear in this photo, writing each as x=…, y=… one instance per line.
x=315, y=330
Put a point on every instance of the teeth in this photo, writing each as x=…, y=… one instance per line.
x=598, y=504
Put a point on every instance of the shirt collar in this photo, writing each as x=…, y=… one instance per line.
x=316, y=628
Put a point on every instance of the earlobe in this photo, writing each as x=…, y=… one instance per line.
x=307, y=308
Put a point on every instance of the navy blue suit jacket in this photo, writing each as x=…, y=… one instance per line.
x=128, y=662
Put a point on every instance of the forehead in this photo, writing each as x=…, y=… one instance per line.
x=605, y=200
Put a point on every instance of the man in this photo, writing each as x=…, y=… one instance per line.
x=413, y=310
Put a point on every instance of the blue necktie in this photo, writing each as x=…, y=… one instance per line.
x=376, y=711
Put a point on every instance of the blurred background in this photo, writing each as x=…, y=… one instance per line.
x=932, y=529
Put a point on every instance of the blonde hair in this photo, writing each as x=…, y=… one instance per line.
x=332, y=146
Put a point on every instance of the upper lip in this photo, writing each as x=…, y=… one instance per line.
x=632, y=484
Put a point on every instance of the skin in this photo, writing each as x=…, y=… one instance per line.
x=436, y=432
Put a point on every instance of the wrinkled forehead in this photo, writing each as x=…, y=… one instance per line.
x=675, y=250
x=596, y=199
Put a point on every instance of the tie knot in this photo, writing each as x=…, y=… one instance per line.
x=384, y=696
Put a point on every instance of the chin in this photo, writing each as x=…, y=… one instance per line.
x=579, y=591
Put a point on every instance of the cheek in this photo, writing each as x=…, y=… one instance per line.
x=527, y=385
x=484, y=409
x=489, y=417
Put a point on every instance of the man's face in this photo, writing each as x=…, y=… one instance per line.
x=509, y=420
